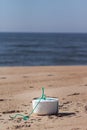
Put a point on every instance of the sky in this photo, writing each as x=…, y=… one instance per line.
x=43, y=15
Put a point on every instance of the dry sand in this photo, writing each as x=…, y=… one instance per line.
x=19, y=85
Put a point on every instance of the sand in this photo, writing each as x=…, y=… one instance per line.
x=19, y=85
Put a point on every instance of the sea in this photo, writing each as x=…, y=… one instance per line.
x=43, y=49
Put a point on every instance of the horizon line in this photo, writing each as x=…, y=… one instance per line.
x=41, y=32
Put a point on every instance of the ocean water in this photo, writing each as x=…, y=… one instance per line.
x=43, y=49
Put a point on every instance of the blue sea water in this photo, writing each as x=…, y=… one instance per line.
x=40, y=49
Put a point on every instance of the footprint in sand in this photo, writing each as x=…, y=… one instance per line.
x=39, y=119
x=75, y=129
x=50, y=75
x=63, y=98
x=13, y=111
x=25, y=76
x=22, y=126
x=50, y=85
x=1, y=119
x=31, y=87
x=65, y=105
x=2, y=77
x=19, y=126
x=86, y=108
x=79, y=104
x=74, y=94
x=2, y=100
x=68, y=102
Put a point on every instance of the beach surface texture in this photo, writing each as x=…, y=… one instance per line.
x=19, y=85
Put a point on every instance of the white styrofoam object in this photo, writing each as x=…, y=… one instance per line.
x=45, y=107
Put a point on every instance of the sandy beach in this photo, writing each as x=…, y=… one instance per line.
x=19, y=85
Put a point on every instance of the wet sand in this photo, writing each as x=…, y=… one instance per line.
x=19, y=85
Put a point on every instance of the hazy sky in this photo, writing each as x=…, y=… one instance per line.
x=43, y=15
